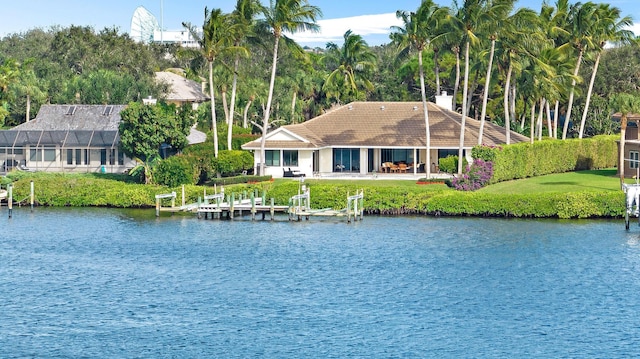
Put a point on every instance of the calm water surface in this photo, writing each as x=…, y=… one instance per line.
x=122, y=284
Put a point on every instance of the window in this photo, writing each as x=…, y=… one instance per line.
x=633, y=159
x=35, y=155
x=272, y=158
x=69, y=156
x=112, y=156
x=346, y=160
x=50, y=154
x=290, y=158
x=103, y=156
x=120, y=158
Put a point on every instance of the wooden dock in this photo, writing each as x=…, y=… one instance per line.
x=219, y=206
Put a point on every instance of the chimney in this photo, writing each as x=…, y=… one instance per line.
x=445, y=101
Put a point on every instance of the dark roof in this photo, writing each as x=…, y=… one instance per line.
x=75, y=118
x=388, y=124
x=67, y=125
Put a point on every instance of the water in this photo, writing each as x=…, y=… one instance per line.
x=95, y=283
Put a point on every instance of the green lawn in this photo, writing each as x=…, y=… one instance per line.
x=592, y=181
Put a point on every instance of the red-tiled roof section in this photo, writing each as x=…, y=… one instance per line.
x=393, y=124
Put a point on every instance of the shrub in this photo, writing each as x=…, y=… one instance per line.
x=448, y=164
x=475, y=176
x=176, y=170
x=230, y=163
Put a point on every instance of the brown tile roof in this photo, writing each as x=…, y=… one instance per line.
x=390, y=124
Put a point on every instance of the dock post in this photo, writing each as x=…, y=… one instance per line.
x=348, y=208
x=231, y=205
x=10, y=199
x=253, y=207
x=32, y=197
x=157, y=207
x=183, y=199
x=272, y=210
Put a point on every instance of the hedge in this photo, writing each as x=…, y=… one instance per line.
x=549, y=156
x=97, y=190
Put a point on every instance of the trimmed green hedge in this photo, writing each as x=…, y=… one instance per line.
x=524, y=160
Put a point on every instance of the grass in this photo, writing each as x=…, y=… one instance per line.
x=580, y=181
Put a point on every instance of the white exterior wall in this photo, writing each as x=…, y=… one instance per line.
x=305, y=164
x=326, y=160
x=59, y=164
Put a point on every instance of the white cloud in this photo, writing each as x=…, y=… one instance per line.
x=332, y=30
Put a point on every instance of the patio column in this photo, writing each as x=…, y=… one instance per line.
x=415, y=161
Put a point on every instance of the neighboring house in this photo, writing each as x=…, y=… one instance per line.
x=66, y=138
x=631, y=146
x=359, y=137
x=181, y=90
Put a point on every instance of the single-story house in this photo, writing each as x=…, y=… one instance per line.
x=360, y=137
x=181, y=90
x=66, y=138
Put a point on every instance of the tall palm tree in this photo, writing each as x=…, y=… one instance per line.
x=214, y=41
x=492, y=28
x=353, y=64
x=626, y=104
x=284, y=16
x=416, y=34
x=579, y=27
x=467, y=20
x=608, y=27
x=243, y=17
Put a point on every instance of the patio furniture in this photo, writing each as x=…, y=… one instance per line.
x=393, y=167
x=402, y=168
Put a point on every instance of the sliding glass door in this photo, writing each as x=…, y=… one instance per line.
x=346, y=160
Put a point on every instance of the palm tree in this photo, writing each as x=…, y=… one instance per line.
x=607, y=27
x=353, y=63
x=284, y=16
x=467, y=20
x=416, y=34
x=493, y=28
x=243, y=17
x=626, y=104
x=213, y=43
x=579, y=26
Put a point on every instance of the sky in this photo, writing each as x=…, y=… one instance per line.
x=368, y=18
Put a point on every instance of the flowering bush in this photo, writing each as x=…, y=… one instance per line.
x=475, y=176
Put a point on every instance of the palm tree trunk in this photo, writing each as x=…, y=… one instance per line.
x=532, y=134
x=573, y=88
x=512, y=106
x=485, y=97
x=265, y=124
x=623, y=131
x=507, y=121
x=457, y=83
x=549, y=125
x=293, y=106
x=246, y=111
x=28, y=115
x=214, y=126
x=232, y=109
x=427, y=162
x=589, y=92
x=436, y=69
x=555, y=119
x=463, y=118
x=225, y=106
x=540, y=116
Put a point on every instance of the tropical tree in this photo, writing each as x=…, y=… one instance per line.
x=352, y=65
x=625, y=104
x=215, y=39
x=144, y=128
x=9, y=72
x=467, y=20
x=492, y=28
x=30, y=87
x=243, y=17
x=415, y=35
x=577, y=30
x=608, y=27
x=284, y=16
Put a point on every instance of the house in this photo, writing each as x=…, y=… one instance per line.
x=631, y=146
x=360, y=137
x=66, y=138
x=181, y=90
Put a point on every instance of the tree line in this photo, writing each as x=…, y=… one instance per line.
x=551, y=72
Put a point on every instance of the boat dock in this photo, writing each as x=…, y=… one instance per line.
x=219, y=206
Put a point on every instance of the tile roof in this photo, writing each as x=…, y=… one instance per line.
x=389, y=125
x=181, y=88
